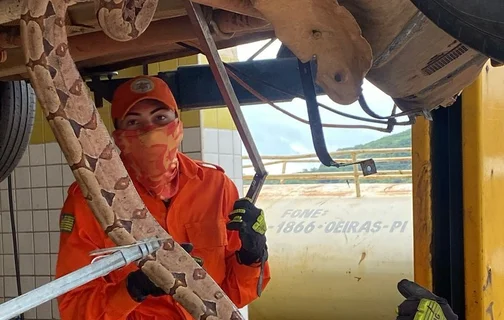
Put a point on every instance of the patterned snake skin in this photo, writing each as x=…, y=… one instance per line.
x=92, y=156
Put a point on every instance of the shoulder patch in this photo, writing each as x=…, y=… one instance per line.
x=67, y=222
x=210, y=165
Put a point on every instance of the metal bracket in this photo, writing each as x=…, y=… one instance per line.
x=95, y=79
x=207, y=45
x=305, y=70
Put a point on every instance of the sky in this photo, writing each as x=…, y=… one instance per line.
x=278, y=134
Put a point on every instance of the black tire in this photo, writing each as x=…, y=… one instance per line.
x=477, y=24
x=17, y=114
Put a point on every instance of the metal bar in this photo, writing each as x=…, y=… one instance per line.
x=356, y=176
x=14, y=238
x=338, y=153
x=207, y=45
x=261, y=50
x=396, y=159
x=305, y=71
x=314, y=115
x=99, y=268
x=194, y=87
x=332, y=176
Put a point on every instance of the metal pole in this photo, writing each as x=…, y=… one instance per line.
x=14, y=238
x=100, y=267
x=209, y=48
x=258, y=52
x=207, y=44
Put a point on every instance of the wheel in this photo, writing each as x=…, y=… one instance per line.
x=477, y=24
x=17, y=114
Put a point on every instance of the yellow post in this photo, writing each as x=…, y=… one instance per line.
x=483, y=170
x=284, y=169
x=356, y=175
x=422, y=202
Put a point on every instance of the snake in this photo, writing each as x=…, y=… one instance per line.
x=327, y=33
x=92, y=155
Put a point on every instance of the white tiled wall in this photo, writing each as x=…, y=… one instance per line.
x=191, y=144
x=40, y=185
x=224, y=148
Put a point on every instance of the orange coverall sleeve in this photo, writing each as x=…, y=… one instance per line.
x=105, y=298
x=241, y=281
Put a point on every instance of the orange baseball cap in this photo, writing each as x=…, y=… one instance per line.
x=138, y=89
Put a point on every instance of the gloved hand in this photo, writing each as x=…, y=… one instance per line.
x=251, y=225
x=140, y=286
x=421, y=304
x=188, y=247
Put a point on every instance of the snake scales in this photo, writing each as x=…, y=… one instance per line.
x=91, y=154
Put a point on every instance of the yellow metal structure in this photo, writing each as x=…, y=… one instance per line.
x=483, y=170
x=422, y=202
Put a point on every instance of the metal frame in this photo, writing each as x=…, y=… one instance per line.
x=194, y=87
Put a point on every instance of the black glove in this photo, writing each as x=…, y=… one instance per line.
x=250, y=223
x=421, y=304
x=188, y=247
x=140, y=286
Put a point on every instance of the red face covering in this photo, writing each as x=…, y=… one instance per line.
x=150, y=155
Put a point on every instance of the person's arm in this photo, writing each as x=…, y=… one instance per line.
x=105, y=298
x=241, y=280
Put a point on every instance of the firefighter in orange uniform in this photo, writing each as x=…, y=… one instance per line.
x=195, y=202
